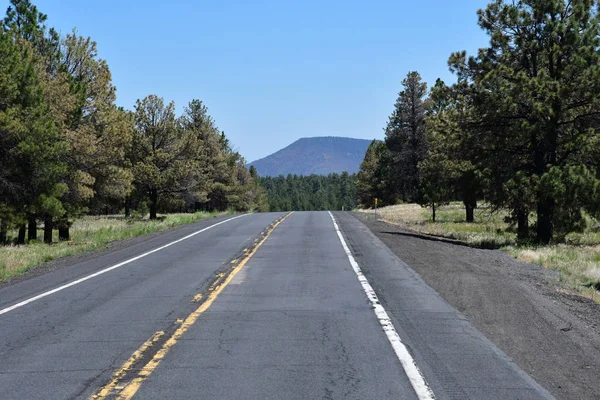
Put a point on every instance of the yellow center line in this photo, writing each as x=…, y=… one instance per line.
x=113, y=384
x=127, y=392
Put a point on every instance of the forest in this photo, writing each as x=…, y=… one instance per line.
x=310, y=193
x=518, y=128
x=68, y=150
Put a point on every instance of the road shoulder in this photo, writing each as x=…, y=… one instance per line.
x=139, y=243
x=55, y=274
x=522, y=308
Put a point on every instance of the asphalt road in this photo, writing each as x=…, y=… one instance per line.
x=258, y=307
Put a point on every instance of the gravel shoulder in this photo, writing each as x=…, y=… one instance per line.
x=549, y=331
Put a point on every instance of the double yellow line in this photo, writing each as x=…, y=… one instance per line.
x=121, y=390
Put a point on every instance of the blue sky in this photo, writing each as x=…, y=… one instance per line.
x=274, y=71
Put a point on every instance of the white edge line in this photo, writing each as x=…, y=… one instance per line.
x=408, y=363
x=95, y=274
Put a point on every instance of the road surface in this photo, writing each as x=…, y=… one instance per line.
x=261, y=306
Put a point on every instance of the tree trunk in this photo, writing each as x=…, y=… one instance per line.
x=127, y=207
x=48, y=229
x=545, y=157
x=468, y=189
x=433, y=212
x=153, y=203
x=63, y=229
x=32, y=228
x=470, y=211
x=3, y=231
x=21, y=237
x=522, y=224
x=545, y=225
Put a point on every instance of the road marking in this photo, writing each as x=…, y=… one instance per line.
x=114, y=383
x=129, y=390
x=408, y=363
x=197, y=298
x=95, y=274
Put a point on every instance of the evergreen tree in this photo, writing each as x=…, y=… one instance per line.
x=369, y=180
x=25, y=21
x=451, y=149
x=536, y=93
x=12, y=189
x=210, y=155
x=32, y=145
x=405, y=138
x=164, y=152
x=436, y=188
x=83, y=100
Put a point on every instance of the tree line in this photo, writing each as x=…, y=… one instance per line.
x=67, y=149
x=519, y=128
x=310, y=193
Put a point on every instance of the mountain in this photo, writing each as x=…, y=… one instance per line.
x=316, y=155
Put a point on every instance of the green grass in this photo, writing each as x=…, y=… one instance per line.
x=87, y=234
x=577, y=260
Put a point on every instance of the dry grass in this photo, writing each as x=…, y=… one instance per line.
x=579, y=266
x=578, y=260
x=87, y=234
x=488, y=231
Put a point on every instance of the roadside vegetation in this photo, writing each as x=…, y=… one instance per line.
x=518, y=127
x=68, y=151
x=89, y=233
x=488, y=230
x=577, y=258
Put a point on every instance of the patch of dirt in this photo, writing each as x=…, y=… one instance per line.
x=550, y=331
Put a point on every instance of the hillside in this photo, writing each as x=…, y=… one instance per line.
x=316, y=155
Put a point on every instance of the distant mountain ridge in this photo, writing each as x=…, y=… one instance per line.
x=315, y=155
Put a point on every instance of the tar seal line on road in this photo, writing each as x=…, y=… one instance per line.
x=411, y=369
x=122, y=385
x=95, y=274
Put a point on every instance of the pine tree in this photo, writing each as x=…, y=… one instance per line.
x=451, y=148
x=164, y=152
x=12, y=189
x=26, y=22
x=369, y=180
x=31, y=141
x=405, y=137
x=536, y=92
x=210, y=155
x=98, y=132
